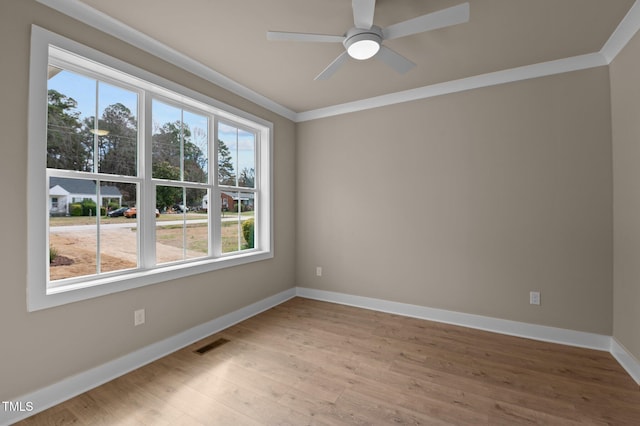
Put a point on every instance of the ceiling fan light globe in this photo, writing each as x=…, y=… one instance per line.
x=363, y=49
x=363, y=44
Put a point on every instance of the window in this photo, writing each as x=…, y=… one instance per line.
x=236, y=177
x=145, y=180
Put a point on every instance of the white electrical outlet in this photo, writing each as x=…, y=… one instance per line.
x=534, y=297
x=138, y=317
x=318, y=271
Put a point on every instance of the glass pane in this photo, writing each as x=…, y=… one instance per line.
x=230, y=226
x=166, y=141
x=73, y=228
x=196, y=147
x=247, y=214
x=118, y=233
x=180, y=144
x=182, y=230
x=227, y=154
x=197, y=225
x=246, y=159
x=170, y=224
x=117, y=130
x=169, y=200
x=71, y=114
x=237, y=221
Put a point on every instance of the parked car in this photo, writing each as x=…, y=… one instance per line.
x=132, y=213
x=117, y=212
x=180, y=208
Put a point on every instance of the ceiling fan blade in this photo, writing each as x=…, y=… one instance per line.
x=286, y=36
x=363, y=13
x=394, y=60
x=333, y=67
x=431, y=21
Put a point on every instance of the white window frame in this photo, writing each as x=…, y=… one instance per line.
x=39, y=294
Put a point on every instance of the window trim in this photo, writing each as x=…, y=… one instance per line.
x=39, y=296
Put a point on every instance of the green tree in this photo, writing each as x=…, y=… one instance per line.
x=226, y=172
x=118, y=148
x=166, y=143
x=173, y=143
x=166, y=196
x=66, y=147
x=177, y=156
x=195, y=163
x=247, y=177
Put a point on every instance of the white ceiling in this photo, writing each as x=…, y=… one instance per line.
x=229, y=37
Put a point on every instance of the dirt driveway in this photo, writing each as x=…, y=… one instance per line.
x=118, y=248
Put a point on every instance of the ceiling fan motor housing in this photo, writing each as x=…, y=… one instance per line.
x=363, y=43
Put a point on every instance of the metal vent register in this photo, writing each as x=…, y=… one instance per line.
x=216, y=343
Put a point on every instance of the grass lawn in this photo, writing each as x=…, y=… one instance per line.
x=197, y=236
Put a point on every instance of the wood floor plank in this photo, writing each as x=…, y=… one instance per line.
x=446, y=404
x=366, y=409
x=317, y=363
x=54, y=417
x=604, y=368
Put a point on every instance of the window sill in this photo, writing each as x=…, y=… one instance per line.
x=62, y=293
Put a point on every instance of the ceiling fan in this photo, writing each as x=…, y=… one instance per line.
x=364, y=40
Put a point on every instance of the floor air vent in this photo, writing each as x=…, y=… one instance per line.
x=206, y=348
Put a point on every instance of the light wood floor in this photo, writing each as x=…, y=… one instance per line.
x=309, y=362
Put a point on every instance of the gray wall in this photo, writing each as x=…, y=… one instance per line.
x=40, y=348
x=467, y=202
x=625, y=109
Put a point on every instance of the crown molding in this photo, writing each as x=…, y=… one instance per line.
x=627, y=28
x=575, y=63
x=103, y=22
x=96, y=19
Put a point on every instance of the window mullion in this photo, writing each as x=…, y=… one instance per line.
x=215, y=204
x=184, y=224
x=96, y=145
x=98, y=204
x=147, y=189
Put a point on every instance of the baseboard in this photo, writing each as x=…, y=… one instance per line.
x=61, y=391
x=626, y=359
x=512, y=328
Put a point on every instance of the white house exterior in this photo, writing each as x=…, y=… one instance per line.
x=64, y=191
